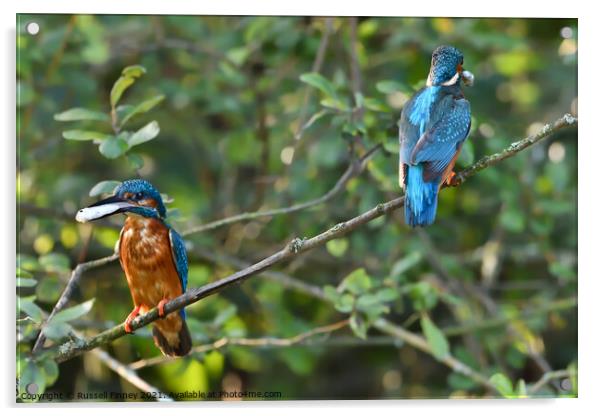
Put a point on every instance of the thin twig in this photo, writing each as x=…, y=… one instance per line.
x=68, y=291
x=354, y=169
x=420, y=343
x=487, y=324
x=399, y=332
x=547, y=377
x=72, y=348
x=249, y=342
x=316, y=67
x=131, y=376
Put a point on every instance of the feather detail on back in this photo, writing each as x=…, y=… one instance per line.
x=434, y=124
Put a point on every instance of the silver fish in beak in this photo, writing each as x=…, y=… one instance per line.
x=467, y=78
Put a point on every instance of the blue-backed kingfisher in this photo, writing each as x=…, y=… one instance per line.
x=434, y=124
x=153, y=257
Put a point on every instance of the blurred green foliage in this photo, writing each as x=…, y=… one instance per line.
x=247, y=121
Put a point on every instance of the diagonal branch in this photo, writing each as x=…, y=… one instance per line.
x=249, y=342
x=131, y=376
x=73, y=348
x=355, y=168
x=68, y=291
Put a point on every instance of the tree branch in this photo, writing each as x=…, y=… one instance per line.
x=68, y=291
x=316, y=67
x=130, y=375
x=398, y=332
x=548, y=377
x=249, y=342
x=73, y=348
x=516, y=147
x=355, y=168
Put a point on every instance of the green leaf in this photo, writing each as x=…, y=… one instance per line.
x=387, y=294
x=73, y=312
x=238, y=55
x=367, y=300
x=27, y=306
x=390, y=86
x=104, y=187
x=521, y=389
x=562, y=271
x=403, y=265
x=50, y=369
x=133, y=71
x=76, y=114
x=57, y=331
x=23, y=273
x=375, y=105
x=127, y=78
x=26, y=282
x=224, y=315
x=513, y=220
x=358, y=325
x=335, y=103
x=357, y=282
x=344, y=303
x=423, y=296
x=136, y=161
x=122, y=84
x=337, y=247
x=32, y=382
x=503, y=384
x=49, y=289
x=460, y=382
x=26, y=263
x=55, y=262
x=331, y=293
x=145, y=134
x=318, y=81
x=371, y=305
x=83, y=135
x=434, y=337
x=113, y=147
x=130, y=111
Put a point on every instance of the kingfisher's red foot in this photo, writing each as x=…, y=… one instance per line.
x=128, y=321
x=161, y=307
x=450, y=179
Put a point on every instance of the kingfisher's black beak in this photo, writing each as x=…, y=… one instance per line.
x=104, y=208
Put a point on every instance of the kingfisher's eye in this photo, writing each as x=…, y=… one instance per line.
x=138, y=196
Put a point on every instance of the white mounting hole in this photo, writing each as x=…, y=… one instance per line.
x=32, y=28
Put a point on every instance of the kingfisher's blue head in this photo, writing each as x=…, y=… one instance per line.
x=136, y=196
x=446, y=67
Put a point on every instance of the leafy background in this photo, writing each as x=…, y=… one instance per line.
x=233, y=117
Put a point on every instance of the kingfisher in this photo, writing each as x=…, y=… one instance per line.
x=152, y=255
x=433, y=126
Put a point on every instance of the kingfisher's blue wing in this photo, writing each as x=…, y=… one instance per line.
x=442, y=140
x=178, y=252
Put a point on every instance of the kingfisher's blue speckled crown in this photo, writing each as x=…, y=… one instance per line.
x=446, y=64
x=141, y=189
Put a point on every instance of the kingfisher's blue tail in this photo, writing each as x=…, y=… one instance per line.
x=421, y=198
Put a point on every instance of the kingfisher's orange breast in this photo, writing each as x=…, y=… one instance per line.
x=146, y=258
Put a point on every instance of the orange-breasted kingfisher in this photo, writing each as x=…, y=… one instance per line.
x=433, y=126
x=153, y=257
